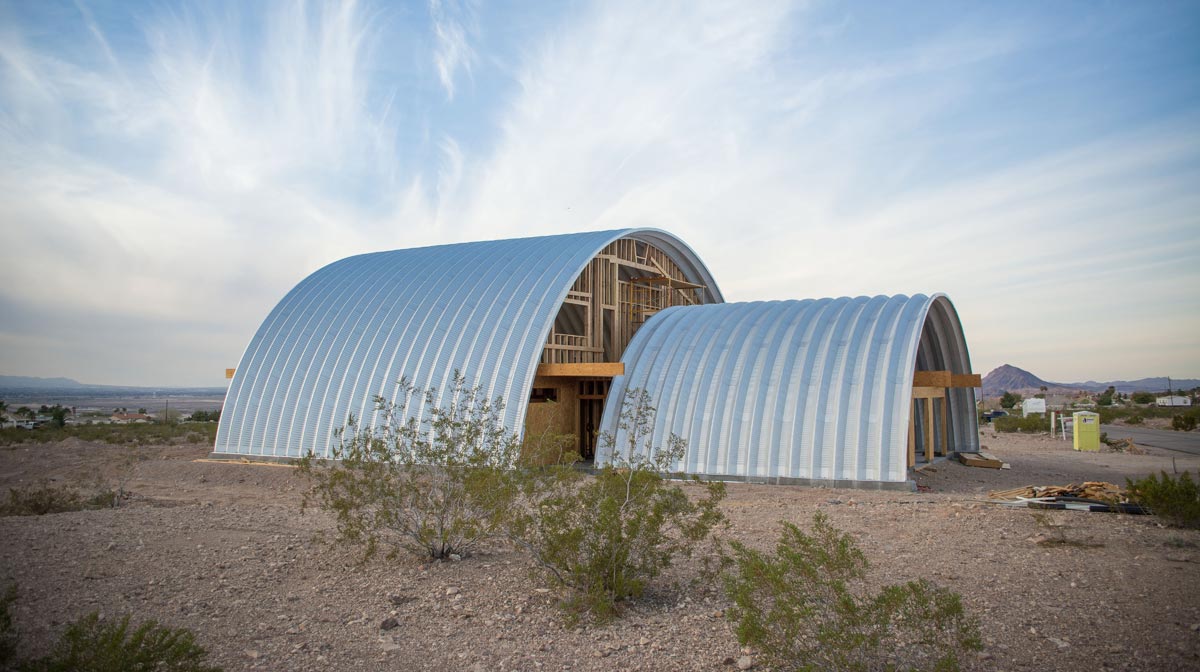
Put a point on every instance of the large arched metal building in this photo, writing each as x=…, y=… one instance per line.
x=561, y=327
x=794, y=391
x=550, y=315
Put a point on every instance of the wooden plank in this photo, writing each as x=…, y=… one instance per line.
x=912, y=433
x=929, y=438
x=980, y=460
x=929, y=392
x=229, y=373
x=945, y=426
x=582, y=370
x=966, y=380
x=931, y=379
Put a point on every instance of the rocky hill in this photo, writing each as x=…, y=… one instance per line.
x=1009, y=378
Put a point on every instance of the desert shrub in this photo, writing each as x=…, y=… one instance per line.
x=436, y=487
x=44, y=498
x=1030, y=423
x=93, y=645
x=1175, y=500
x=135, y=434
x=604, y=538
x=1134, y=420
x=1183, y=423
x=1010, y=400
x=800, y=607
x=8, y=632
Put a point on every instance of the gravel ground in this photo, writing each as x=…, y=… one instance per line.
x=224, y=550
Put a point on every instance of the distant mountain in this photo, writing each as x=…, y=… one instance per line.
x=35, y=383
x=68, y=385
x=1008, y=378
x=1158, y=384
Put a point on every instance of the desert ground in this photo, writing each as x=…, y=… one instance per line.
x=224, y=550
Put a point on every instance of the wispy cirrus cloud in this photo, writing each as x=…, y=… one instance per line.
x=178, y=167
x=454, y=22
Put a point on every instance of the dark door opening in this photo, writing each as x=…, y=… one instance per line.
x=591, y=408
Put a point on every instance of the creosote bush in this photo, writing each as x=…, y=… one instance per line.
x=436, y=486
x=604, y=538
x=8, y=632
x=801, y=608
x=93, y=645
x=1036, y=422
x=44, y=499
x=139, y=434
x=440, y=485
x=1175, y=500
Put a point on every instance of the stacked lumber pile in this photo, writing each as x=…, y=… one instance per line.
x=1097, y=490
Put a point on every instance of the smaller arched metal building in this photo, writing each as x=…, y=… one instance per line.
x=824, y=390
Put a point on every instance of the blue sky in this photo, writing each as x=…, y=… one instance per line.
x=168, y=170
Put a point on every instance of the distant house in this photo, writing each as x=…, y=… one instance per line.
x=128, y=418
x=1033, y=406
x=1173, y=401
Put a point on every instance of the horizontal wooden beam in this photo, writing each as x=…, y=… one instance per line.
x=966, y=380
x=582, y=370
x=929, y=392
x=931, y=379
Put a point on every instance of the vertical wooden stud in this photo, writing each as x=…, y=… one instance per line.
x=912, y=433
x=929, y=437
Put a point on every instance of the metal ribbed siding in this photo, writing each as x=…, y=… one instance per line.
x=813, y=389
x=350, y=331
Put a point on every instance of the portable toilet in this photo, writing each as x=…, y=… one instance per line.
x=1086, y=430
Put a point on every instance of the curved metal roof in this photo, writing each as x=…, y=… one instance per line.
x=813, y=389
x=352, y=329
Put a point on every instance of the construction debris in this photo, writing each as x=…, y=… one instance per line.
x=982, y=459
x=1097, y=496
x=1098, y=490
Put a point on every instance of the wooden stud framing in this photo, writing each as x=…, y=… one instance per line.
x=619, y=289
x=935, y=386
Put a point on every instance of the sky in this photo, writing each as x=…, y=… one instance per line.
x=169, y=170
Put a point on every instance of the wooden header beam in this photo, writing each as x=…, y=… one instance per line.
x=581, y=370
x=966, y=380
x=931, y=379
x=946, y=379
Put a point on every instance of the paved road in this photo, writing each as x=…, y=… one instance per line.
x=1184, y=442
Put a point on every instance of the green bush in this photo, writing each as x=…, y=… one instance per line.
x=1176, y=501
x=93, y=645
x=1010, y=400
x=1030, y=423
x=798, y=607
x=43, y=499
x=1184, y=423
x=1134, y=420
x=141, y=434
x=8, y=633
x=436, y=487
x=604, y=538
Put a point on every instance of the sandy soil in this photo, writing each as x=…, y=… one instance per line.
x=223, y=549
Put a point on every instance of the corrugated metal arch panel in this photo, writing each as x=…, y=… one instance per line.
x=812, y=389
x=352, y=329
